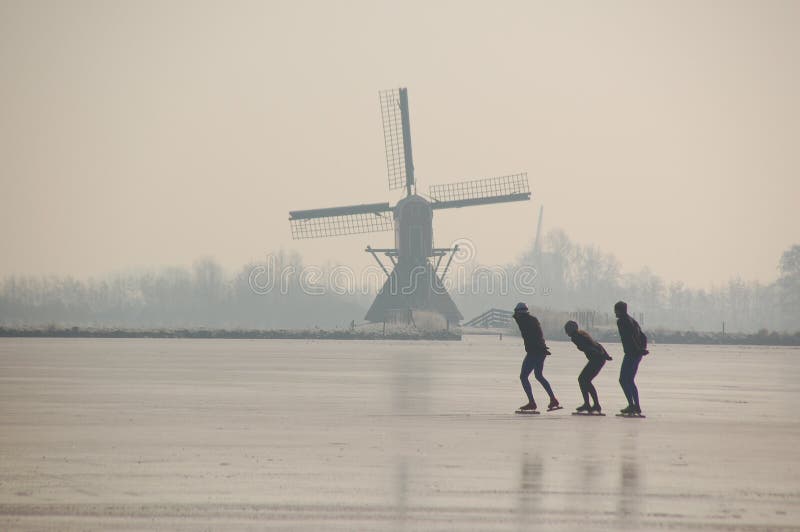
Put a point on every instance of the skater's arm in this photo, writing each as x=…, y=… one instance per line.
x=538, y=335
x=634, y=335
x=580, y=342
x=589, y=346
x=629, y=336
x=639, y=338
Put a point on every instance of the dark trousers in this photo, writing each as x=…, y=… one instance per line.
x=627, y=372
x=534, y=363
x=589, y=372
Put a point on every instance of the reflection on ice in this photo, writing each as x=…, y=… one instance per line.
x=530, y=490
x=410, y=377
x=410, y=392
x=400, y=491
x=632, y=489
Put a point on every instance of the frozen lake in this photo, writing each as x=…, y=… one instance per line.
x=307, y=435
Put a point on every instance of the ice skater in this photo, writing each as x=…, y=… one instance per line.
x=536, y=350
x=597, y=356
x=634, y=343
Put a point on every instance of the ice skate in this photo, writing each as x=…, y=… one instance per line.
x=554, y=405
x=529, y=408
x=631, y=411
x=587, y=410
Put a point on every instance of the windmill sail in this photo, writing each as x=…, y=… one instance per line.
x=338, y=221
x=480, y=192
x=397, y=138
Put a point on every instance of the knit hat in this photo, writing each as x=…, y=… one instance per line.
x=520, y=308
x=570, y=326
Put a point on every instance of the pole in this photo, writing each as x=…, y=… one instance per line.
x=536, y=243
x=449, y=260
x=369, y=249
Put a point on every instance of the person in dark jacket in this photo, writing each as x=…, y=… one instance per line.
x=596, y=355
x=634, y=343
x=535, y=350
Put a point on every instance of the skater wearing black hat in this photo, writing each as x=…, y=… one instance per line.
x=535, y=350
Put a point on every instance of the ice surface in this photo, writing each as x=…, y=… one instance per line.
x=358, y=435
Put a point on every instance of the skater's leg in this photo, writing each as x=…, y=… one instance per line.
x=587, y=375
x=524, y=373
x=593, y=393
x=584, y=383
x=538, y=367
x=625, y=378
x=634, y=391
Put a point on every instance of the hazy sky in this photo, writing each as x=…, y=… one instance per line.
x=142, y=134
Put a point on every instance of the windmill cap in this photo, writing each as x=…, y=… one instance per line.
x=521, y=307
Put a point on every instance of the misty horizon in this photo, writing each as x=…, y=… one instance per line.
x=285, y=291
x=229, y=270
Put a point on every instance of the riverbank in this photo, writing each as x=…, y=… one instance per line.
x=232, y=334
x=659, y=336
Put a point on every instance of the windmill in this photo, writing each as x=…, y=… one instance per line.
x=414, y=282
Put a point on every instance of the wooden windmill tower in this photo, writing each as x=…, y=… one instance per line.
x=414, y=282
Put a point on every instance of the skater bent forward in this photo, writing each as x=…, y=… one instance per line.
x=536, y=350
x=597, y=356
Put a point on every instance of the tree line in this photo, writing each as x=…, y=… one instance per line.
x=568, y=277
x=575, y=277
x=200, y=296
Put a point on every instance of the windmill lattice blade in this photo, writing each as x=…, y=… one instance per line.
x=480, y=192
x=393, y=138
x=338, y=221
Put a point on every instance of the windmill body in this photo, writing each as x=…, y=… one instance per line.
x=414, y=282
x=413, y=230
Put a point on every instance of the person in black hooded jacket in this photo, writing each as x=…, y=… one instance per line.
x=596, y=355
x=634, y=343
x=535, y=350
